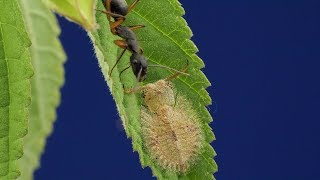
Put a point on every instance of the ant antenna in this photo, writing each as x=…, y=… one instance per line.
x=166, y=67
x=179, y=72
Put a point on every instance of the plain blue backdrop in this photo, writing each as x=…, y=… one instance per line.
x=256, y=54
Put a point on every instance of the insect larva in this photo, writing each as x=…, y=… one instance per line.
x=171, y=131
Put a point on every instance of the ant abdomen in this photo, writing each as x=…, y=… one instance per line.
x=119, y=7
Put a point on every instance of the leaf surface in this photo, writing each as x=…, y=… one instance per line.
x=165, y=41
x=15, y=95
x=79, y=11
x=47, y=58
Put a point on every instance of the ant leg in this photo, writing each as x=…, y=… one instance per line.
x=136, y=27
x=124, y=70
x=113, y=25
x=134, y=90
x=176, y=98
x=121, y=43
x=132, y=6
x=117, y=61
x=108, y=13
x=108, y=5
x=116, y=24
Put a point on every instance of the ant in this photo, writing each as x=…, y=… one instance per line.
x=137, y=61
x=118, y=9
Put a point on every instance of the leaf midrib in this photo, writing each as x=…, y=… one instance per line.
x=166, y=35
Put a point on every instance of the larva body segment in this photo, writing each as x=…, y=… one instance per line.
x=171, y=131
x=158, y=94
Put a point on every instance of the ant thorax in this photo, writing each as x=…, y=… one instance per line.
x=171, y=130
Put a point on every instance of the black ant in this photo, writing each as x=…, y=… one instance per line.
x=137, y=61
x=118, y=9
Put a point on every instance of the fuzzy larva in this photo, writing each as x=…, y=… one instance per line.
x=171, y=130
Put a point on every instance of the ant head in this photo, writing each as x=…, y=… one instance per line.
x=139, y=66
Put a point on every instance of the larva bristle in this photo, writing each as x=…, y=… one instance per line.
x=172, y=134
x=158, y=94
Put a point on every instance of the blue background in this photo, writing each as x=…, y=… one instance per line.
x=259, y=59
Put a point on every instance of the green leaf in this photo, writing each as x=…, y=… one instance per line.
x=47, y=58
x=15, y=95
x=79, y=11
x=165, y=41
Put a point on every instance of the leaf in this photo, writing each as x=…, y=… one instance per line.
x=15, y=95
x=79, y=11
x=165, y=41
x=47, y=58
